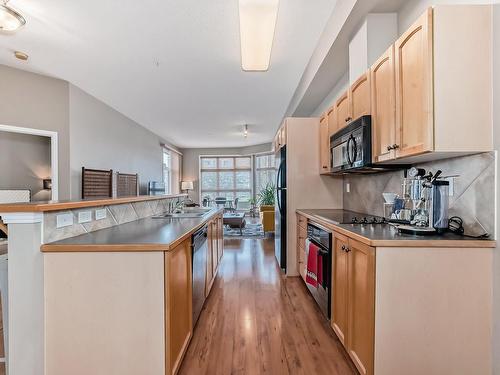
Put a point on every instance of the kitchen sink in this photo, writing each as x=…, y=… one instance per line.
x=187, y=212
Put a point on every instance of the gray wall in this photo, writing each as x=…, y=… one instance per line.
x=191, y=161
x=103, y=138
x=35, y=101
x=24, y=163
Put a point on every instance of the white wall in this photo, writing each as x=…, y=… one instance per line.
x=191, y=162
x=24, y=163
x=496, y=253
x=341, y=86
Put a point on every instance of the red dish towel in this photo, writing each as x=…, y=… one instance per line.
x=312, y=264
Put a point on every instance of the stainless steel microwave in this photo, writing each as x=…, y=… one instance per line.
x=351, y=149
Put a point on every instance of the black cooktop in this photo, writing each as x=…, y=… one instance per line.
x=348, y=217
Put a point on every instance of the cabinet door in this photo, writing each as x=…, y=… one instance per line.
x=210, y=260
x=339, y=289
x=215, y=248
x=332, y=121
x=359, y=97
x=342, y=111
x=414, y=97
x=220, y=239
x=324, y=145
x=179, y=320
x=383, y=107
x=361, y=314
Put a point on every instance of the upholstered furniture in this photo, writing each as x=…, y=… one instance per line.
x=267, y=218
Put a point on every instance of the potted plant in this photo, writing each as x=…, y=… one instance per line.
x=265, y=198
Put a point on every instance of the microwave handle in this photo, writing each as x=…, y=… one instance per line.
x=355, y=150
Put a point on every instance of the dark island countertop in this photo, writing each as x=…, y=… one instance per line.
x=385, y=235
x=148, y=234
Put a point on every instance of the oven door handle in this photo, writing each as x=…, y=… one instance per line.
x=322, y=252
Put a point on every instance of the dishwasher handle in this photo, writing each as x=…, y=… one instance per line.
x=199, y=236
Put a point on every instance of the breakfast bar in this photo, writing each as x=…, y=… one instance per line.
x=89, y=294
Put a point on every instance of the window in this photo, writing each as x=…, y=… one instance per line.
x=226, y=176
x=171, y=171
x=265, y=171
x=167, y=171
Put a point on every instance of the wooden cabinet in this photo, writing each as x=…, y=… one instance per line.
x=301, y=250
x=215, y=251
x=339, y=288
x=280, y=138
x=383, y=107
x=178, y=316
x=359, y=97
x=440, y=88
x=414, y=94
x=342, y=112
x=324, y=145
x=361, y=305
x=332, y=121
x=353, y=303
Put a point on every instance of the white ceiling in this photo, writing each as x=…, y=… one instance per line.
x=173, y=66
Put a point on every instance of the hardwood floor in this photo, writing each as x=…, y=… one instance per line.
x=257, y=322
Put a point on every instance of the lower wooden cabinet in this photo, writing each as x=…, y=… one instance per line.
x=301, y=244
x=353, y=303
x=339, y=289
x=178, y=303
x=215, y=250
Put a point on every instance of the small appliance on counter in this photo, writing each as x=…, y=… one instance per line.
x=423, y=207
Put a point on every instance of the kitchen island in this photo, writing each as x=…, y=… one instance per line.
x=405, y=304
x=113, y=295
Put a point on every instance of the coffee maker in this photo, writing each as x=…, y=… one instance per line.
x=427, y=199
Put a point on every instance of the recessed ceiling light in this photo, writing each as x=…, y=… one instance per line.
x=245, y=131
x=21, y=55
x=10, y=20
x=257, y=24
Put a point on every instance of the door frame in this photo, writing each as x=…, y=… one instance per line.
x=54, y=157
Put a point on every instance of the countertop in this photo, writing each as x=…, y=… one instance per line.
x=148, y=234
x=385, y=235
x=43, y=206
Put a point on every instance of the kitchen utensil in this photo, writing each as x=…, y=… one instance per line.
x=389, y=197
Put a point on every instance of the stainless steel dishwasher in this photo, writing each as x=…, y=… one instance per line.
x=199, y=246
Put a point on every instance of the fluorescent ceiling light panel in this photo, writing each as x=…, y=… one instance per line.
x=257, y=24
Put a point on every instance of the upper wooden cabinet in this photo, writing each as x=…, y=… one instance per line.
x=383, y=107
x=280, y=138
x=332, y=121
x=414, y=96
x=359, y=97
x=342, y=111
x=324, y=145
x=442, y=88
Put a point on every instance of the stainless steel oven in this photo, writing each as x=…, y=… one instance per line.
x=322, y=238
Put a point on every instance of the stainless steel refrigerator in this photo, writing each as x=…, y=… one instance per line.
x=280, y=243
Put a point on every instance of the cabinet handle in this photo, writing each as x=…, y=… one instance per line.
x=343, y=247
x=395, y=146
x=324, y=167
x=389, y=148
x=347, y=249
